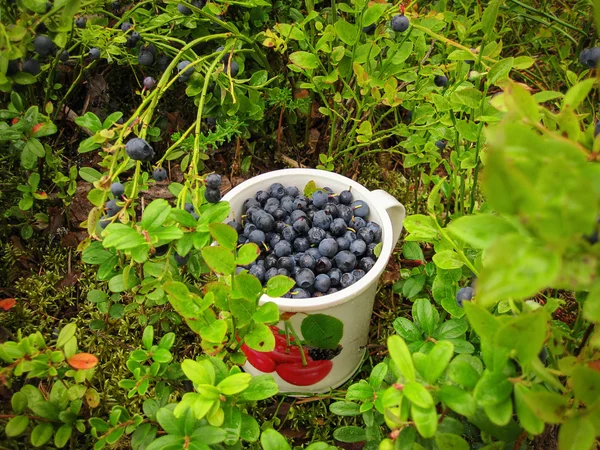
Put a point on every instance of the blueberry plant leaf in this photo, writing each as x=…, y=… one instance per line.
x=260, y=338
x=492, y=388
x=347, y=32
x=304, y=60
x=458, y=400
x=247, y=254
x=500, y=413
x=438, y=359
x=450, y=441
x=591, y=305
x=322, y=330
x=425, y=315
x=155, y=214
x=350, y=434
x=223, y=234
x=448, y=259
x=246, y=286
x=401, y=356
x=219, y=259
x=527, y=418
x=421, y=228
x=407, y=329
x=578, y=433
x=425, y=419
x=525, y=334
x=481, y=230
x=279, y=285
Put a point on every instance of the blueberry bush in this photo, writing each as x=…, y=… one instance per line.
x=130, y=302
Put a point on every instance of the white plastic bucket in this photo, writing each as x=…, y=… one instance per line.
x=353, y=306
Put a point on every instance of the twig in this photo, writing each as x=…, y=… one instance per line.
x=586, y=335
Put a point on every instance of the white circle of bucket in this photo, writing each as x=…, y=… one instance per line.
x=353, y=305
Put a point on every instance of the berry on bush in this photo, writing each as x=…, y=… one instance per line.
x=464, y=294
x=31, y=66
x=185, y=72
x=212, y=195
x=184, y=10
x=64, y=56
x=370, y=29
x=149, y=83
x=590, y=57
x=43, y=46
x=440, y=80
x=231, y=69
x=159, y=174
x=80, y=22
x=441, y=144
x=139, y=150
x=94, y=53
x=145, y=58
x=213, y=181
x=399, y=23
x=117, y=189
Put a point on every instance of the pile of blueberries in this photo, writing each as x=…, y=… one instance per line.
x=325, y=242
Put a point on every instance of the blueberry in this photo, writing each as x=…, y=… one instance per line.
x=399, y=23
x=297, y=214
x=305, y=278
x=64, y=56
x=132, y=39
x=282, y=248
x=338, y=227
x=301, y=244
x=289, y=234
x=345, y=213
x=31, y=66
x=249, y=203
x=441, y=144
x=301, y=225
x=376, y=229
x=346, y=197
x=307, y=262
x=184, y=10
x=270, y=208
x=232, y=69
x=263, y=221
x=464, y=294
x=358, y=274
x=328, y=247
x=145, y=58
x=257, y=237
x=323, y=265
x=104, y=222
x=139, y=150
x=314, y=252
x=300, y=293
x=273, y=202
x=198, y=3
x=319, y=198
x=271, y=273
x=279, y=214
x=149, y=83
x=357, y=223
x=590, y=57
x=331, y=209
x=365, y=234
x=286, y=262
x=117, y=189
x=211, y=122
x=13, y=67
x=159, y=174
x=440, y=80
x=213, y=181
x=597, y=129
x=543, y=355
x=181, y=260
x=280, y=225
x=43, y=45
x=335, y=275
x=258, y=271
x=316, y=235
x=322, y=282
x=332, y=291
x=126, y=26
x=270, y=261
x=345, y=261
x=322, y=219
x=94, y=53
x=346, y=280
x=260, y=262
x=371, y=249
x=287, y=204
x=360, y=208
x=189, y=207
x=185, y=72
x=358, y=247
x=212, y=195
x=80, y=22
x=370, y=29
x=343, y=243
x=112, y=209
x=249, y=228
x=350, y=235
x=161, y=250
x=277, y=190
x=262, y=197
x=274, y=239
x=292, y=191
x=300, y=203
x=162, y=61
x=366, y=263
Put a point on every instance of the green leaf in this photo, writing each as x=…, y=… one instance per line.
x=41, y=434
x=89, y=174
x=260, y=338
x=168, y=442
x=118, y=284
x=407, y=330
x=350, y=434
x=169, y=422
x=310, y=188
x=225, y=235
x=219, y=259
x=342, y=408
x=247, y=254
x=273, y=440
x=148, y=337
x=425, y=419
x=199, y=372
x=215, y=332
x=16, y=426
x=448, y=259
x=492, y=388
x=347, y=32
x=261, y=387
x=452, y=328
x=234, y=384
x=515, y=267
x=578, y=93
x=183, y=217
x=417, y=394
x=499, y=71
x=482, y=321
x=250, y=430
x=578, y=433
x=591, y=306
x=438, y=359
x=500, y=413
x=401, y=356
x=520, y=102
x=304, y=60
x=413, y=285
x=122, y=237
x=527, y=418
x=480, y=230
x=247, y=286
x=525, y=334
x=65, y=335
x=18, y=402
x=488, y=20
x=373, y=14
x=63, y=434
x=90, y=121
x=421, y=228
x=425, y=315
x=412, y=251
x=585, y=382
x=279, y=285
x=207, y=435
x=465, y=370
x=267, y=313
x=449, y=441
x=155, y=214
x=322, y=330
x=458, y=400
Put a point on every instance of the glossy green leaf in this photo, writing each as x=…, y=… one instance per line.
x=219, y=259
x=401, y=356
x=225, y=235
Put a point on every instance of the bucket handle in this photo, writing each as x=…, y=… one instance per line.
x=394, y=208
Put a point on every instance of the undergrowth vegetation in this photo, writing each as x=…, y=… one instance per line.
x=128, y=306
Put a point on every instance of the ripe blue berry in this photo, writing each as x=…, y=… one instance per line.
x=305, y=278
x=270, y=273
x=80, y=22
x=319, y=198
x=399, y=23
x=145, y=58
x=258, y=271
x=139, y=150
x=322, y=219
x=307, y=262
x=212, y=195
x=301, y=225
x=322, y=282
x=31, y=66
x=360, y=208
x=43, y=45
x=112, y=209
x=366, y=263
x=184, y=10
x=213, y=181
x=149, y=83
x=346, y=280
x=440, y=80
x=94, y=53
x=301, y=244
x=316, y=235
x=117, y=189
x=277, y=191
x=345, y=261
x=159, y=174
x=323, y=265
x=292, y=191
x=300, y=293
x=185, y=72
x=282, y=248
x=464, y=294
x=358, y=247
x=328, y=247
x=441, y=144
x=257, y=237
